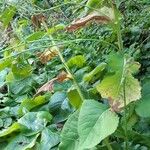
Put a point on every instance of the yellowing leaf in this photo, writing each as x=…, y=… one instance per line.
x=114, y=85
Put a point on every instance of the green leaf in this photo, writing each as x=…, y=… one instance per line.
x=146, y=87
x=59, y=107
x=69, y=134
x=88, y=77
x=95, y=123
x=7, y=15
x=2, y=77
x=1, y=123
x=10, y=77
x=112, y=86
x=14, y=127
x=29, y=104
x=74, y=98
x=20, y=86
x=44, y=115
x=56, y=28
x=56, y=101
x=142, y=107
x=7, y=122
x=22, y=142
x=21, y=70
x=35, y=36
x=78, y=61
x=5, y=63
x=92, y=5
x=49, y=139
x=35, y=121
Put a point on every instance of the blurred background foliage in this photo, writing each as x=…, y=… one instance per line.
x=22, y=72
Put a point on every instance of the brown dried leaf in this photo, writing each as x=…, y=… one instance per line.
x=115, y=105
x=37, y=20
x=50, y=84
x=47, y=55
x=46, y=87
x=105, y=15
x=62, y=76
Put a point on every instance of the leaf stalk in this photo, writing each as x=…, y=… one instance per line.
x=64, y=63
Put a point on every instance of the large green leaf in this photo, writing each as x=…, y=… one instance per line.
x=21, y=70
x=7, y=15
x=5, y=63
x=120, y=80
x=14, y=127
x=35, y=121
x=95, y=123
x=74, y=98
x=20, y=86
x=49, y=139
x=88, y=77
x=69, y=134
x=22, y=142
x=59, y=107
x=2, y=77
x=56, y=100
x=78, y=61
x=35, y=36
x=142, y=108
x=29, y=104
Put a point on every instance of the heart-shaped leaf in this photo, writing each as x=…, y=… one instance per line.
x=69, y=135
x=96, y=122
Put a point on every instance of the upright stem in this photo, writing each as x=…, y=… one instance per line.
x=125, y=115
x=117, y=27
x=64, y=63
x=119, y=36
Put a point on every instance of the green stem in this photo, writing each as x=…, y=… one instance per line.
x=106, y=141
x=125, y=115
x=64, y=63
x=117, y=26
x=51, y=45
x=119, y=36
x=64, y=42
x=120, y=45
